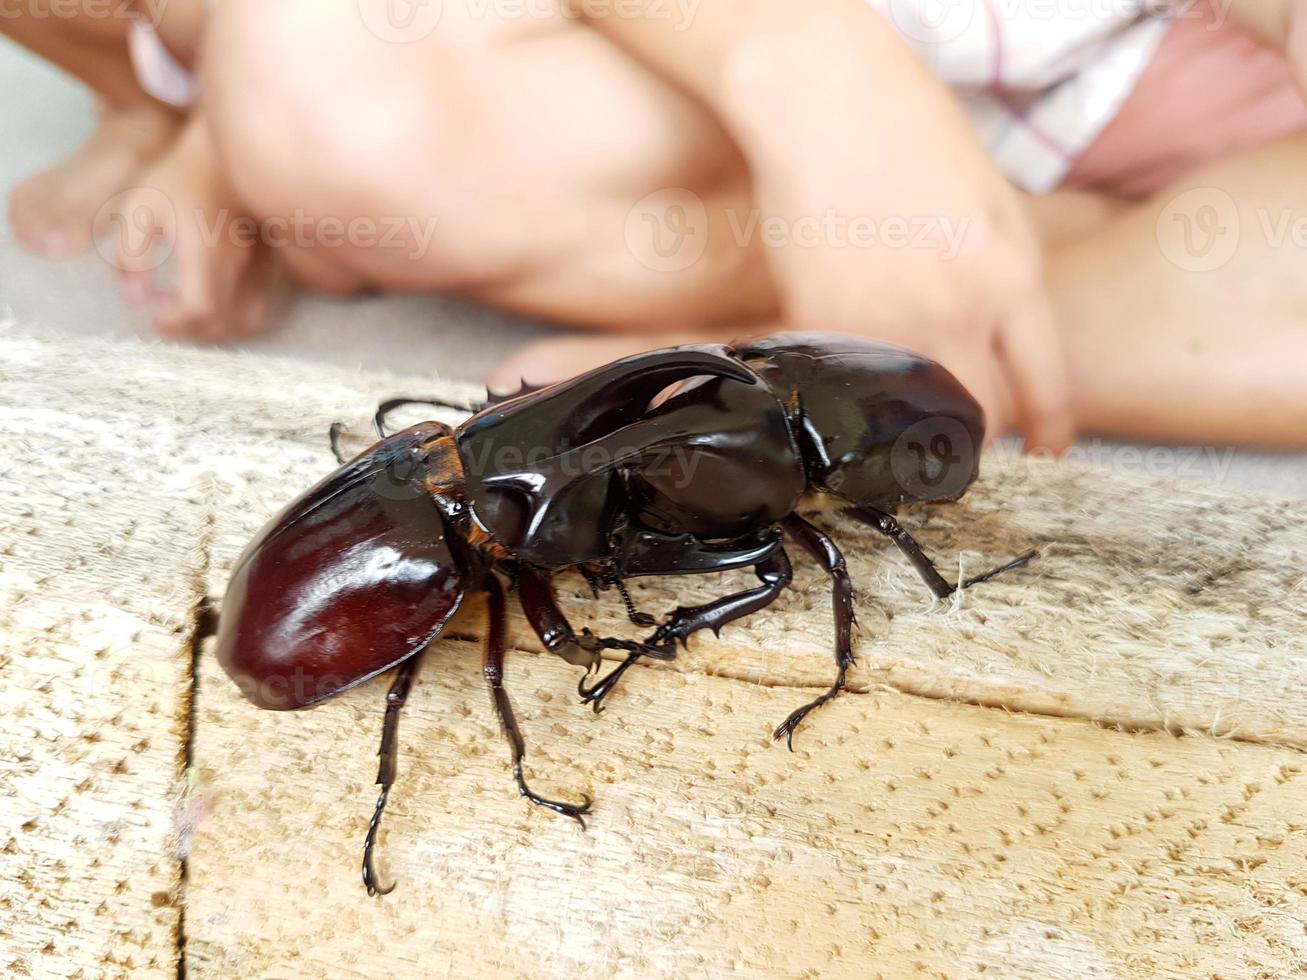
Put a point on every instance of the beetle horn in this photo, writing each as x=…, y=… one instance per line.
x=549, y=453
x=600, y=401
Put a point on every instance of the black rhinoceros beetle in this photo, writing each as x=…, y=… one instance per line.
x=683, y=460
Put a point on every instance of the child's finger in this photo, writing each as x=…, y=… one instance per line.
x=141, y=230
x=187, y=309
x=1031, y=351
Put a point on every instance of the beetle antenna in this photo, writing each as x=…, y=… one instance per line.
x=333, y=437
x=633, y=614
x=390, y=404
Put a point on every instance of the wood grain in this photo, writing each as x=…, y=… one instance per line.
x=968, y=808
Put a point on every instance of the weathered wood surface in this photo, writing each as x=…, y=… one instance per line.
x=1011, y=835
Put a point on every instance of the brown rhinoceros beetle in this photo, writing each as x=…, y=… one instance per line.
x=684, y=460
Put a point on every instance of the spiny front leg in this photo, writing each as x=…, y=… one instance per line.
x=493, y=668
x=775, y=573
x=584, y=649
x=824, y=551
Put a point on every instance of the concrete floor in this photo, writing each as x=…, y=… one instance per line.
x=44, y=116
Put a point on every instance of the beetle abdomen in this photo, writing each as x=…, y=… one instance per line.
x=353, y=577
x=878, y=424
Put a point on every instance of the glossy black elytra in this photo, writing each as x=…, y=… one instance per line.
x=683, y=460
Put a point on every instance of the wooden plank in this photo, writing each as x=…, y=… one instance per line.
x=904, y=835
x=101, y=566
x=907, y=833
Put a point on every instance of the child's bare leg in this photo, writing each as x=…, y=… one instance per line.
x=1185, y=317
x=52, y=212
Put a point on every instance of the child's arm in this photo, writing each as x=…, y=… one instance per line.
x=846, y=132
x=1282, y=24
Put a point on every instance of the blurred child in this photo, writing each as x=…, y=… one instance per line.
x=1090, y=216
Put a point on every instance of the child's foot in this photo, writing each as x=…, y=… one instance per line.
x=53, y=213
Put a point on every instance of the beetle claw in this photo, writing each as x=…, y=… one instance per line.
x=573, y=810
x=369, y=845
x=786, y=728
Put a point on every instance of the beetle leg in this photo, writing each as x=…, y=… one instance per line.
x=825, y=553
x=592, y=579
x=493, y=668
x=395, y=698
x=551, y=625
x=892, y=529
x=594, y=694
x=775, y=573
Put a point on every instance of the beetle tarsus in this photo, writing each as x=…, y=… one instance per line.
x=387, y=765
x=595, y=694
x=1018, y=562
x=573, y=810
x=369, y=846
x=787, y=728
x=642, y=619
x=937, y=583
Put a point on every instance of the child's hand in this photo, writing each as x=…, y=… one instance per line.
x=922, y=241
x=884, y=214
x=223, y=273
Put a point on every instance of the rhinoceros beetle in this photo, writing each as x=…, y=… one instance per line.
x=684, y=460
